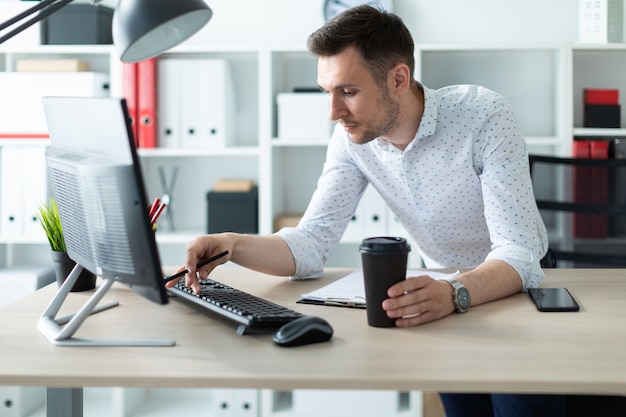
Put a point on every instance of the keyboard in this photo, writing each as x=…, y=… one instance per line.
x=249, y=311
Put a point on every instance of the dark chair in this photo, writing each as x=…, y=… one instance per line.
x=554, y=181
x=583, y=203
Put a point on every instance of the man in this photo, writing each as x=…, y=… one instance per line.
x=450, y=163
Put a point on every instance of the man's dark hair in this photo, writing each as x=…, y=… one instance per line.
x=381, y=38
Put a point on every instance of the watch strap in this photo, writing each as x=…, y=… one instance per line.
x=459, y=291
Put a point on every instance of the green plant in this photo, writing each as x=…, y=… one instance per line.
x=48, y=215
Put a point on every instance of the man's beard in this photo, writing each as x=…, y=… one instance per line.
x=383, y=126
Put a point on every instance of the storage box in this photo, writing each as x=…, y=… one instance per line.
x=602, y=115
x=233, y=212
x=304, y=116
x=601, y=96
x=78, y=24
x=20, y=100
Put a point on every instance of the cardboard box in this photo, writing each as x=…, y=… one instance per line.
x=304, y=116
x=51, y=65
x=287, y=220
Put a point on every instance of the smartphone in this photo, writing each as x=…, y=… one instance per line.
x=553, y=299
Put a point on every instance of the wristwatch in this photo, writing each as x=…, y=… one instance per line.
x=461, y=296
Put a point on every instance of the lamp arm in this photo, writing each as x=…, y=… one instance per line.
x=47, y=6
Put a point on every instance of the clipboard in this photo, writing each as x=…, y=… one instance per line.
x=349, y=290
x=334, y=303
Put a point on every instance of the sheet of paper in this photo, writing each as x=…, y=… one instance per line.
x=350, y=289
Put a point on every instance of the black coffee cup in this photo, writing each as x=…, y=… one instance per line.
x=384, y=261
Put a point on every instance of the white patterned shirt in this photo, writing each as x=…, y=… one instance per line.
x=461, y=188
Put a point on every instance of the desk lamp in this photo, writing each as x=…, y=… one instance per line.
x=141, y=29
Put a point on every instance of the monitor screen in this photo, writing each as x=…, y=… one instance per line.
x=97, y=182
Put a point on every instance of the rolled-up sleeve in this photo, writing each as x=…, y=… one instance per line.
x=332, y=205
x=517, y=232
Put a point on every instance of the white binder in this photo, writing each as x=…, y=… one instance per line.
x=169, y=103
x=35, y=190
x=370, y=218
x=207, y=104
x=196, y=103
x=23, y=184
x=374, y=213
x=11, y=191
x=20, y=401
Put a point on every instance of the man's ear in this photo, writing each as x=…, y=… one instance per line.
x=400, y=78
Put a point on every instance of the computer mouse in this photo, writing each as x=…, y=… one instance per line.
x=303, y=331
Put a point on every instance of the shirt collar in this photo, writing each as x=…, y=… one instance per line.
x=428, y=124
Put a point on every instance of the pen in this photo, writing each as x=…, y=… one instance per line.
x=157, y=213
x=154, y=206
x=199, y=265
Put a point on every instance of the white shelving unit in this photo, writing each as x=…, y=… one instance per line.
x=543, y=83
x=534, y=79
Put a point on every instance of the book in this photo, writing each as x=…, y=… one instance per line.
x=617, y=187
x=581, y=178
x=599, y=190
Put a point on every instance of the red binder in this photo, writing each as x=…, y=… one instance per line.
x=146, y=103
x=599, y=190
x=581, y=179
x=129, y=87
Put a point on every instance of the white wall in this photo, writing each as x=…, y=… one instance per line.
x=289, y=22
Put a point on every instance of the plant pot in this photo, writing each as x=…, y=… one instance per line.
x=63, y=265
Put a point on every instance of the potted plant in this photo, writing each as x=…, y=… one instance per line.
x=48, y=215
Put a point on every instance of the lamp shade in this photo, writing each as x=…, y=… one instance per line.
x=143, y=29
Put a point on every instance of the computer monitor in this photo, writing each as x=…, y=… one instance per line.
x=96, y=179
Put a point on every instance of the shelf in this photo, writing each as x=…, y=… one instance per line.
x=203, y=152
x=426, y=47
x=177, y=238
x=544, y=141
x=277, y=143
x=23, y=240
x=57, y=49
x=598, y=132
x=24, y=142
x=599, y=47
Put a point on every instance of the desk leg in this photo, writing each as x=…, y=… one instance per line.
x=64, y=402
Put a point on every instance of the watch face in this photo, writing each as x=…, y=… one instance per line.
x=463, y=298
x=333, y=7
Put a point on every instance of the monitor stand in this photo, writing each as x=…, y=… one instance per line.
x=52, y=329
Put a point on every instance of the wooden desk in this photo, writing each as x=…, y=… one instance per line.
x=504, y=346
